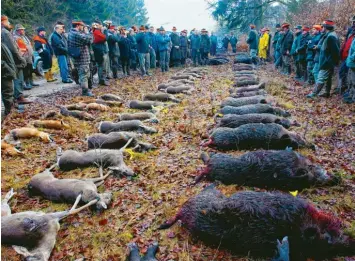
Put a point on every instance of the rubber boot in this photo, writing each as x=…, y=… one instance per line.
x=317, y=89
x=50, y=77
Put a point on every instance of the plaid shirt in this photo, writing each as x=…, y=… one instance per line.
x=83, y=41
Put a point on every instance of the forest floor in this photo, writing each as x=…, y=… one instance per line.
x=164, y=177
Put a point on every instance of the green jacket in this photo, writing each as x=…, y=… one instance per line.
x=233, y=40
x=302, y=48
x=329, y=55
x=8, y=66
x=296, y=44
x=142, y=42
x=253, y=40
x=205, y=43
x=275, y=39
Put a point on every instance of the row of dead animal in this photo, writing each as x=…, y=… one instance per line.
x=251, y=223
x=33, y=234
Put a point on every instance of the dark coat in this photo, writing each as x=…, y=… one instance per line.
x=286, y=42
x=58, y=44
x=45, y=50
x=225, y=42
x=183, y=41
x=275, y=39
x=253, y=40
x=205, y=43
x=329, y=55
x=125, y=47
x=233, y=40
x=302, y=48
x=142, y=42
x=133, y=41
x=213, y=39
x=175, y=50
x=8, y=40
x=8, y=66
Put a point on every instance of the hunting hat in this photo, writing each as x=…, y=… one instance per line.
x=184, y=31
x=299, y=27
x=112, y=27
x=174, y=28
x=252, y=26
x=284, y=25
x=77, y=22
x=142, y=28
x=317, y=27
x=4, y=18
x=203, y=30
x=306, y=28
x=41, y=29
x=97, y=21
x=19, y=27
x=134, y=28
x=278, y=26
x=161, y=28
x=329, y=24
x=147, y=27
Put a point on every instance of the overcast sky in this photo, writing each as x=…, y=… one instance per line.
x=184, y=14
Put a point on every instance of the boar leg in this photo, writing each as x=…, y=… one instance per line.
x=283, y=249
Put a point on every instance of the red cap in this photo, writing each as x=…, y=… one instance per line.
x=306, y=28
x=329, y=22
x=285, y=25
x=78, y=22
x=4, y=18
x=112, y=27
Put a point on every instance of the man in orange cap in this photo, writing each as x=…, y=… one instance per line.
x=311, y=52
x=79, y=41
x=285, y=48
x=11, y=85
x=329, y=57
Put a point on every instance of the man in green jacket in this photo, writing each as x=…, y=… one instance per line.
x=205, y=46
x=233, y=40
x=274, y=43
x=329, y=57
x=301, y=52
x=285, y=48
x=295, y=45
x=213, y=39
x=253, y=42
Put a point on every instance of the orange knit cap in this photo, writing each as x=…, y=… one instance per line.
x=252, y=26
x=4, y=18
x=317, y=27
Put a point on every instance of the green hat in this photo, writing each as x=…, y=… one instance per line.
x=161, y=28
x=299, y=27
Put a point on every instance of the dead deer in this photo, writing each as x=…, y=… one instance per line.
x=67, y=190
x=33, y=234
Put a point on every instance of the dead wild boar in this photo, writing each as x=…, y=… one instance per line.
x=237, y=102
x=142, y=116
x=160, y=96
x=254, y=108
x=235, y=121
x=283, y=170
x=248, y=223
x=144, y=105
x=256, y=136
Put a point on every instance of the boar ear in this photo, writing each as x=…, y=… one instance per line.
x=277, y=121
x=285, y=137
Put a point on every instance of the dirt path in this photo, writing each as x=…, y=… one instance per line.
x=163, y=177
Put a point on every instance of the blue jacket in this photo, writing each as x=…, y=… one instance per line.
x=350, y=61
x=163, y=42
x=183, y=41
x=153, y=41
x=58, y=44
x=213, y=39
x=142, y=42
x=310, y=47
x=195, y=42
x=329, y=55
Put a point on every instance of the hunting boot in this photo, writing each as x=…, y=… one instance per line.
x=23, y=100
x=50, y=77
x=316, y=91
x=328, y=87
